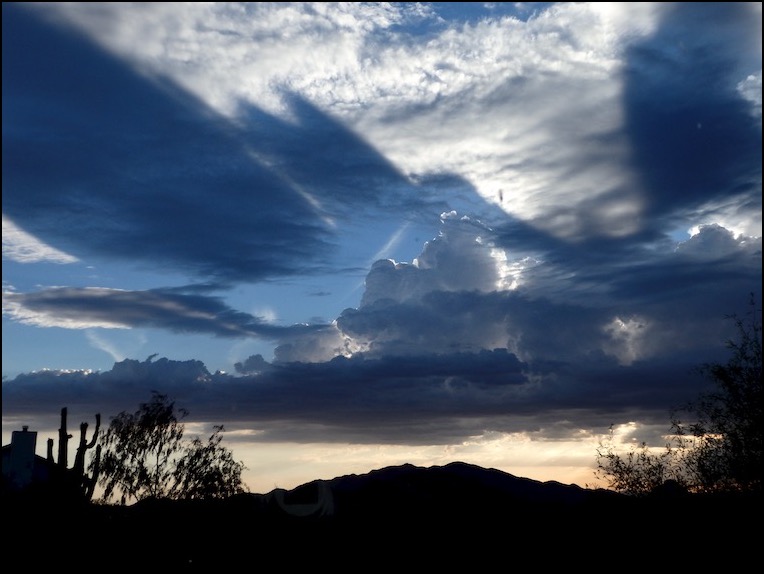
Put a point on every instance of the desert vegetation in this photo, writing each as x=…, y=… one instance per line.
x=715, y=441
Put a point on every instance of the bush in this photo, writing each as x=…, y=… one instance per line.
x=720, y=450
x=144, y=455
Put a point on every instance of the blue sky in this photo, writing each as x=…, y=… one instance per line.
x=360, y=234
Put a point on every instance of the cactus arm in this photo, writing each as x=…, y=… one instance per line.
x=95, y=433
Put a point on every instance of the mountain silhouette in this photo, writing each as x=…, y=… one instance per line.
x=404, y=517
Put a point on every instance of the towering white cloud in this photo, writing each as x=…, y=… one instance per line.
x=459, y=259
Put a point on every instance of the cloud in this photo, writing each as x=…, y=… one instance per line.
x=253, y=364
x=208, y=49
x=22, y=247
x=103, y=344
x=137, y=170
x=629, y=305
x=449, y=364
x=578, y=142
x=583, y=122
x=693, y=138
x=750, y=90
x=457, y=260
x=170, y=309
x=628, y=302
x=713, y=241
x=549, y=120
x=441, y=363
x=422, y=399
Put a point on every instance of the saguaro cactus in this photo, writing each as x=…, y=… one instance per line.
x=77, y=475
x=63, y=442
x=87, y=482
x=84, y=446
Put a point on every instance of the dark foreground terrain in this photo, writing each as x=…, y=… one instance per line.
x=406, y=518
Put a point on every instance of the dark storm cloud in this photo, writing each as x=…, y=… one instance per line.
x=427, y=399
x=694, y=144
x=168, y=309
x=101, y=160
x=348, y=389
x=693, y=136
x=712, y=271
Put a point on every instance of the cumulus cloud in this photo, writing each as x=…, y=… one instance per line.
x=714, y=242
x=565, y=309
x=252, y=364
x=459, y=259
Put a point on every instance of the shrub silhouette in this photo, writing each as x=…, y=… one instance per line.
x=145, y=456
x=720, y=449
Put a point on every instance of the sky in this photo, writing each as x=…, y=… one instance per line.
x=367, y=234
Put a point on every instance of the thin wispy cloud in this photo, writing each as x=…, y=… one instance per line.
x=22, y=247
x=92, y=307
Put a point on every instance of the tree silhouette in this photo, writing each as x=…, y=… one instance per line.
x=144, y=455
x=726, y=435
x=720, y=449
x=207, y=470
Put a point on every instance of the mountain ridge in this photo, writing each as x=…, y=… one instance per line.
x=393, y=516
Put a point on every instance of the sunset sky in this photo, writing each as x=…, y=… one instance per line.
x=364, y=234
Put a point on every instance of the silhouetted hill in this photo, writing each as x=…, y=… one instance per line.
x=400, y=516
x=456, y=489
